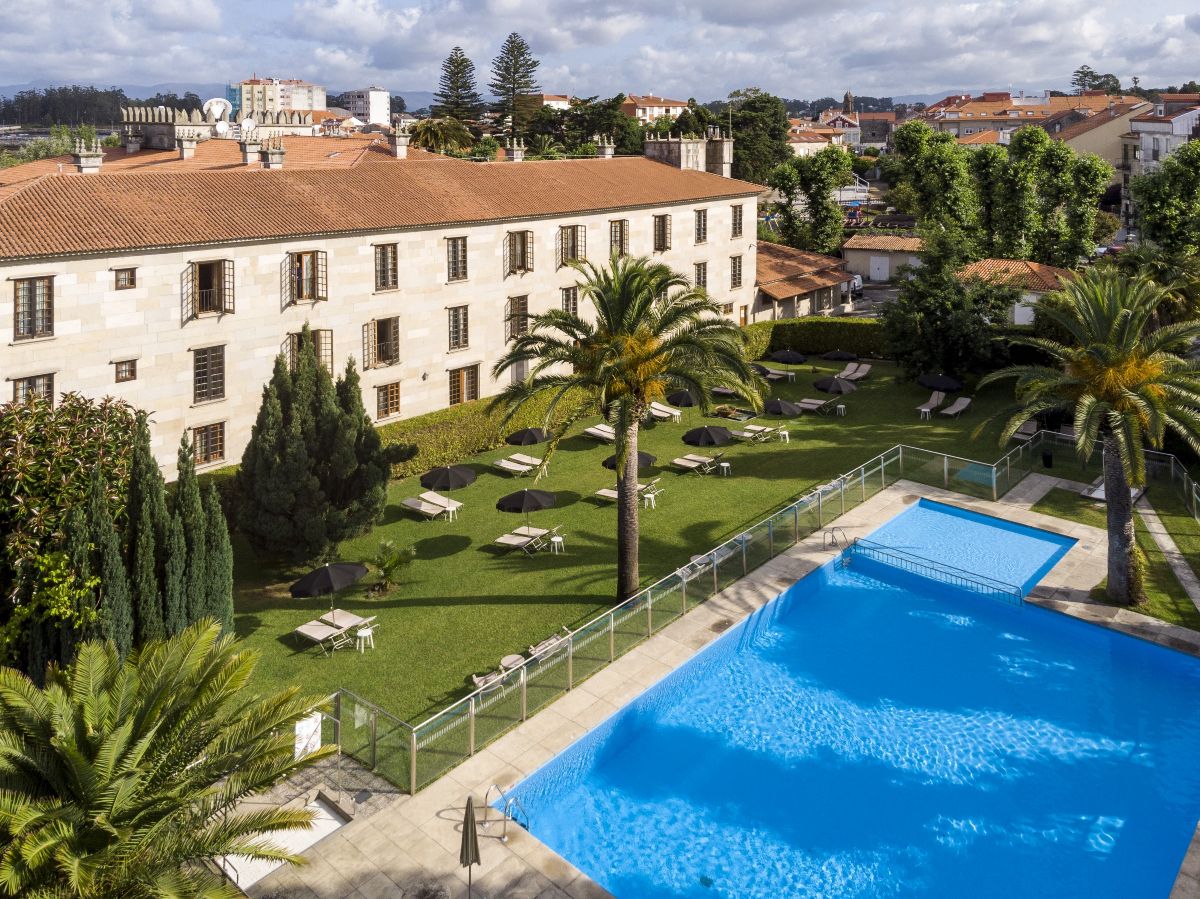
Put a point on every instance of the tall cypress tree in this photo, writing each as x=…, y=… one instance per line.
x=512, y=78
x=361, y=491
x=457, y=95
x=220, y=562
x=190, y=507
x=175, y=604
x=116, y=609
x=147, y=591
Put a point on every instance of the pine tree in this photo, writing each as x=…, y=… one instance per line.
x=220, y=562
x=361, y=494
x=146, y=591
x=513, y=78
x=116, y=610
x=175, y=616
x=190, y=508
x=457, y=95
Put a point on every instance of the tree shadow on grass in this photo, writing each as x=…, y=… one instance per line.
x=441, y=546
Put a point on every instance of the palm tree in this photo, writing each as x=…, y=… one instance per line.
x=653, y=333
x=1177, y=273
x=441, y=135
x=1124, y=383
x=120, y=778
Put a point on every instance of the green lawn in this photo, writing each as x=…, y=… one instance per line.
x=1183, y=528
x=462, y=606
x=1165, y=597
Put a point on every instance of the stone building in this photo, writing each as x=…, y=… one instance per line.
x=173, y=278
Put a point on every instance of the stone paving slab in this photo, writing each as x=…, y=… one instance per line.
x=415, y=839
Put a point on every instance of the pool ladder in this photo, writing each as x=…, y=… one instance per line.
x=511, y=805
x=830, y=538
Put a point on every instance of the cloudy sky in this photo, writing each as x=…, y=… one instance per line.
x=701, y=48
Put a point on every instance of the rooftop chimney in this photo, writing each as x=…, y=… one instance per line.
x=87, y=158
x=133, y=142
x=272, y=154
x=605, y=148
x=398, y=143
x=250, y=147
x=187, y=145
x=514, y=150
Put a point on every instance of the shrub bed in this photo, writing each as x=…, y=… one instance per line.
x=450, y=435
x=816, y=334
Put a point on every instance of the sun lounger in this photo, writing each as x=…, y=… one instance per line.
x=859, y=373
x=491, y=679
x=603, y=433
x=325, y=636
x=450, y=505
x=851, y=368
x=687, y=464
x=513, y=541
x=526, y=530
x=611, y=492
x=958, y=407
x=424, y=507
x=723, y=391
x=821, y=406
x=548, y=644
x=1026, y=431
x=522, y=459
x=748, y=436
x=512, y=467
x=935, y=399
x=774, y=374
x=662, y=412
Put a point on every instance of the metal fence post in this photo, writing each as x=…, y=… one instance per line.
x=412, y=761
x=337, y=717
x=524, y=695
x=795, y=523
x=945, y=470
x=471, y=725
x=743, y=539
x=612, y=636
x=571, y=662
x=820, y=508
x=713, y=559
x=864, y=483
x=842, y=493
x=901, y=460
x=993, y=483
x=770, y=538
x=882, y=471
x=374, y=746
x=683, y=592
x=649, y=612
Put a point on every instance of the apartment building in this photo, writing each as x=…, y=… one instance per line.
x=1153, y=136
x=963, y=115
x=174, y=281
x=371, y=105
x=279, y=95
x=647, y=108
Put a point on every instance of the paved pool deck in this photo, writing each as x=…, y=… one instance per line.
x=414, y=840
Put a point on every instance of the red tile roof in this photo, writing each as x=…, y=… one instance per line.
x=1096, y=120
x=979, y=138
x=1020, y=273
x=886, y=243
x=783, y=272
x=177, y=204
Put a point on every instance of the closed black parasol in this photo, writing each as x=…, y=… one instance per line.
x=682, y=398
x=448, y=477
x=835, y=385
x=644, y=460
x=526, y=501
x=709, y=435
x=527, y=437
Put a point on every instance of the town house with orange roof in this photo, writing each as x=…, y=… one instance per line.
x=1001, y=110
x=173, y=278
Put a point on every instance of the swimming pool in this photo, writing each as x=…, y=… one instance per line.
x=870, y=736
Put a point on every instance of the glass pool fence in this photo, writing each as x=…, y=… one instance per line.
x=413, y=756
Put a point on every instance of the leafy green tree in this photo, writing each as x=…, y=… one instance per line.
x=760, y=129
x=116, y=606
x=457, y=96
x=1178, y=274
x=811, y=218
x=147, y=593
x=190, y=506
x=938, y=171
x=1168, y=201
x=514, y=75
x=441, y=135
x=175, y=584
x=1105, y=228
x=122, y=777
x=1119, y=377
x=653, y=332
x=590, y=117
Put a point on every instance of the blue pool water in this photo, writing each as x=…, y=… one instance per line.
x=872, y=736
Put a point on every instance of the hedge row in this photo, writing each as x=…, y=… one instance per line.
x=816, y=334
x=449, y=436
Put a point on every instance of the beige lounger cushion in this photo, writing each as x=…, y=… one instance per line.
x=420, y=506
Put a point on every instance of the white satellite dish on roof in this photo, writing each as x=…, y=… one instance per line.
x=218, y=107
x=222, y=128
x=248, y=125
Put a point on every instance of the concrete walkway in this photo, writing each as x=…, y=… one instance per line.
x=415, y=839
x=1183, y=571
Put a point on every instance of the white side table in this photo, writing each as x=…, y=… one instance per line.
x=650, y=500
x=784, y=436
x=726, y=468
x=841, y=410
x=557, y=544
x=926, y=414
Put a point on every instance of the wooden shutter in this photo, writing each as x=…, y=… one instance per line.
x=508, y=253
x=227, y=285
x=666, y=232
x=369, y=335
x=581, y=242
x=624, y=237
x=287, y=281
x=322, y=259
x=528, y=251
x=560, y=248
x=187, y=310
